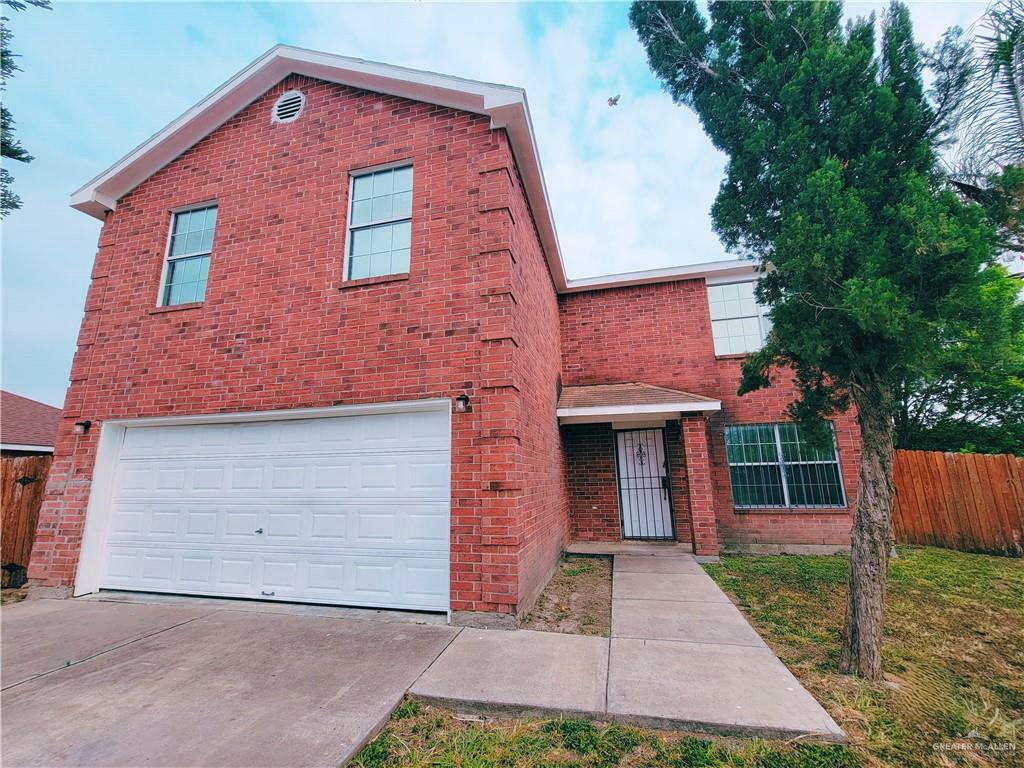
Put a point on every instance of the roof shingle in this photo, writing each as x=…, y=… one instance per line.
x=27, y=422
x=635, y=393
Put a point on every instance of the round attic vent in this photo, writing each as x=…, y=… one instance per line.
x=289, y=106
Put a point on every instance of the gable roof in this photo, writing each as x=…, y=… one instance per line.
x=504, y=104
x=25, y=422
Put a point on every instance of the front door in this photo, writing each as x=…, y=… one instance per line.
x=644, y=488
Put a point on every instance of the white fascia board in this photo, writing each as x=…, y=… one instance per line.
x=23, y=447
x=633, y=410
x=505, y=105
x=711, y=271
x=515, y=119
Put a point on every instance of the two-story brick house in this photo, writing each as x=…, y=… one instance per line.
x=330, y=354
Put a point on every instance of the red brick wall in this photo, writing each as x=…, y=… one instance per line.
x=543, y=502
x=590, y=472
x=661, y=334
x=279, y=329
x=680, y=486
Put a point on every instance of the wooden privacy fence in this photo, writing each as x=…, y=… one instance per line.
x=19, y=505
x=968, y=501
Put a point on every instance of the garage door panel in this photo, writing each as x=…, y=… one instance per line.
x=420, y=526
x=396, y=581
x=426, y=430
x=397, y=475
x=351, y=510
x=196, y=570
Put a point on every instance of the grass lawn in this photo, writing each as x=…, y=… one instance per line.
x=954, y=655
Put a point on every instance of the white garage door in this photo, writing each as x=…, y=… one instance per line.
x=351, y=510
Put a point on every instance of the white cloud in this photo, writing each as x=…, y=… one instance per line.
x=631, y=186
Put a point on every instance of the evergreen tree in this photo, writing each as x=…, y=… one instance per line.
x=10, y=147
x=833, y=183
x=968, y=394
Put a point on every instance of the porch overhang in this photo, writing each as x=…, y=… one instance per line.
x=634, y=401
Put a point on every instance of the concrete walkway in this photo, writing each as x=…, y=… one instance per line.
x=681, y=655
x=132, y=679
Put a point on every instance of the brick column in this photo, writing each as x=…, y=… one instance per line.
x=698, y=475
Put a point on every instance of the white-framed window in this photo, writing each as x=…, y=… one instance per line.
x=379, y=222
x=738, y=323
x=188, y=255
x=771, y=465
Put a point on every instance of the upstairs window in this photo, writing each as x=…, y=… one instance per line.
x=738, y=323
x=379, y=223
x=188, y=256
x=770, y=465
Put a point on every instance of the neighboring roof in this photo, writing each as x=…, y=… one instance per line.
x=27, y=423
x=505, y=105
x=632, y=398
x=714, y=271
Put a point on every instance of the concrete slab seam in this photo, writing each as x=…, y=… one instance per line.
x=379, y=725
x=108, y=650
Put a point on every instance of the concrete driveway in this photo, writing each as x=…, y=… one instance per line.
x=179, y=682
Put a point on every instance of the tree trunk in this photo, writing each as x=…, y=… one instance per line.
x=872, y=534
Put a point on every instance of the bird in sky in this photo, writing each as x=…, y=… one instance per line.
x=614, y=100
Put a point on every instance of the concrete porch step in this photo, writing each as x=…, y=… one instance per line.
x=627, y=547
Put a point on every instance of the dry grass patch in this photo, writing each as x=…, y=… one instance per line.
x=423, y=735
x=9, y=596
x=954, y=656
x=577, y=600
x=953, y=653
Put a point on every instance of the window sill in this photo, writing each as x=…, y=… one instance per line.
x=734, y=356
x=176, y=307
x=373, y=280
x=791, y=510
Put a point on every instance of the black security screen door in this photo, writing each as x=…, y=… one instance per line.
x=644, y=497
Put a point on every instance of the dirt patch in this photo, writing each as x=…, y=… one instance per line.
x=577, y=600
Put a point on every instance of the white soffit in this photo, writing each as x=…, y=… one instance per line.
x=603, y=413
x=505, y=105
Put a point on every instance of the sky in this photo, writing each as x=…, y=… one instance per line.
x=631, y=186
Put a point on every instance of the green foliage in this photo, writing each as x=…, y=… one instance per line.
x=991, y=117
x=376, y=754
x=576, y=735
x=10, y=147
x=577, y=568
x=833, y=180
x=434, y=737
x=969, y=396
x=408, y=708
